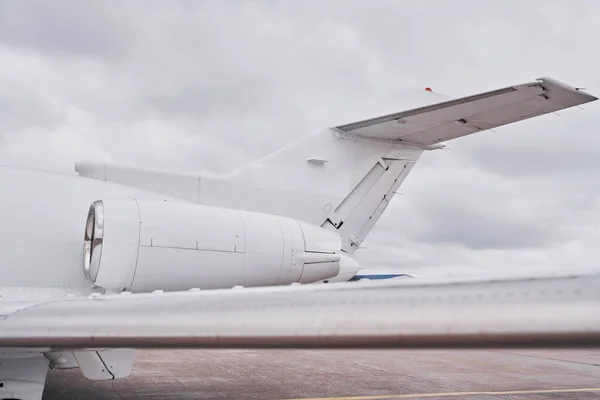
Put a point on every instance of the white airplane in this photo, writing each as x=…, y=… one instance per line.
x=95, y=266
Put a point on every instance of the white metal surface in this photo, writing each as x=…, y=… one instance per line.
x=103, y=365
x=92, y=366
x=23, y=377
x=455, y=118
x=118, y=361
x=553, y=311
x=61, y=359
x=141, y=246
x=183, y=186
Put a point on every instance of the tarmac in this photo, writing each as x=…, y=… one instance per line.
x=344, y=375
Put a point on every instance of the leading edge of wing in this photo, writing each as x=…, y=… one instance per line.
x=535, y=312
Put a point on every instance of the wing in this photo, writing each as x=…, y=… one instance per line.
x=447, y=120
x=553, y=311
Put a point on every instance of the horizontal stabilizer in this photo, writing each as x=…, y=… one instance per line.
x=451, y=119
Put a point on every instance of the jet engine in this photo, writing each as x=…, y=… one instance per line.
x=145, y=245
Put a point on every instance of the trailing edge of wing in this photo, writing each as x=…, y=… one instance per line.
x=560, y=311
x=448, y=120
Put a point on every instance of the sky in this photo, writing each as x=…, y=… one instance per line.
x=211, y=86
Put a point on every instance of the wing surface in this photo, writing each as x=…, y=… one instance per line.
x=551, y=311
x=448, y=120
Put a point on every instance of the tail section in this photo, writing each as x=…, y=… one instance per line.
x=344, y=178
x=340, y=182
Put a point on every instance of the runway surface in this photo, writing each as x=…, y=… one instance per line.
x=343, y=374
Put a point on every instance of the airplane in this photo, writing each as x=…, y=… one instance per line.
x=97, y=265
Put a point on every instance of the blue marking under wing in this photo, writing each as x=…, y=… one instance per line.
x=377, y=276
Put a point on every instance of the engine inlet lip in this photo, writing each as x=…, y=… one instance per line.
x=93, y=239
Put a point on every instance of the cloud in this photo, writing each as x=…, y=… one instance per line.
x=188, y=85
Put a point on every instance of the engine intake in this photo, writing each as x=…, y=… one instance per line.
x=140, y=246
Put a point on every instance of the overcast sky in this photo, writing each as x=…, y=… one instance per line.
x=211, y=86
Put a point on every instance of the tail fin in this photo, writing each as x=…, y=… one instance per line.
x=329, y=179
x=344, y=178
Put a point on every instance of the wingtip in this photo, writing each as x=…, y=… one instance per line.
x=568, y=88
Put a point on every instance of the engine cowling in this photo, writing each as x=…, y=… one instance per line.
x=144, y=245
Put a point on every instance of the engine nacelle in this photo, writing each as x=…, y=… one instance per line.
x=140, y=246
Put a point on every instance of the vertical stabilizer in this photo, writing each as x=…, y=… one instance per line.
x=337, y=181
